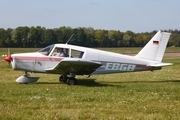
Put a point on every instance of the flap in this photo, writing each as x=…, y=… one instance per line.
x=78, y=66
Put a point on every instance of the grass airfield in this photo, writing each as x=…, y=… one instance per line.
x=137, y=95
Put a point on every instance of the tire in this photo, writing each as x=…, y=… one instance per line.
x=62, y=80
x=71, y=81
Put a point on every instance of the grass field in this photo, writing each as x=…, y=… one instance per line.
x=138, y=95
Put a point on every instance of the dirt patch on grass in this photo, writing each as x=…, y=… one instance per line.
x=172, y=54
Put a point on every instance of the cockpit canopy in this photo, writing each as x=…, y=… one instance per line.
x=46, y=50
x=53, y=50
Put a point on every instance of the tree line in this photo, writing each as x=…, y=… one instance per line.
x=40, y=37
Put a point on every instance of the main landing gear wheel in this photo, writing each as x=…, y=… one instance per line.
x=63, y=78
x=68, y=80
x=71, y=81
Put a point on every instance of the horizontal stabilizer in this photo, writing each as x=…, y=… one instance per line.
x=160, y=64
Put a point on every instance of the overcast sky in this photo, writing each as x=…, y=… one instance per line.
x=123, y=15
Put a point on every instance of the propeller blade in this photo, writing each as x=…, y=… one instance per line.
x=9, y=52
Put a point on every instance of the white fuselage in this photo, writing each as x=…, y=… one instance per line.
x=110, y=62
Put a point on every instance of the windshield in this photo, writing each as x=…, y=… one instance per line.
x=46, y=50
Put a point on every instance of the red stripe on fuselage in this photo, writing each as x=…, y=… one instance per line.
x=37, y=58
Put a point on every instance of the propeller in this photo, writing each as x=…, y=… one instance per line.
x=8, y=57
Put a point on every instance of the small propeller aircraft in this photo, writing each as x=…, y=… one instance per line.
x=77, y=60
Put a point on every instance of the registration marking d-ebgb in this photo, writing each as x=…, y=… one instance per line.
x=120, y=67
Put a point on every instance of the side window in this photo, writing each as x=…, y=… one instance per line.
x=60, y=52
x=76, y=53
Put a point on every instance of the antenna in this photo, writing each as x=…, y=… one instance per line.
x=70, y=38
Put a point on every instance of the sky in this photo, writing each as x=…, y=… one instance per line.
x=123, y=15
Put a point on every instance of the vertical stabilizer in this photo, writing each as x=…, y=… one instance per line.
x=155, y=48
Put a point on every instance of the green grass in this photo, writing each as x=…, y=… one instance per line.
x=138, y=95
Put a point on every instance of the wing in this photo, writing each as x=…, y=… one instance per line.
x=78, y=66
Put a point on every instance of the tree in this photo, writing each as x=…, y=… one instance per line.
x=20, y=36
x=115, y=37
x=128, y=39
x=176, y=39
x=101, y=36
x=79, y=37
x=2, y=37
x=40, y=37
x=90, y=39
x=35, y=36
x=9, y=40
x=49, y=37
x=63, y=34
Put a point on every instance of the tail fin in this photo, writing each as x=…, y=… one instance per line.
x=155, y=48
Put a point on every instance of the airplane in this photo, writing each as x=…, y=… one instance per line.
x=80, y=60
